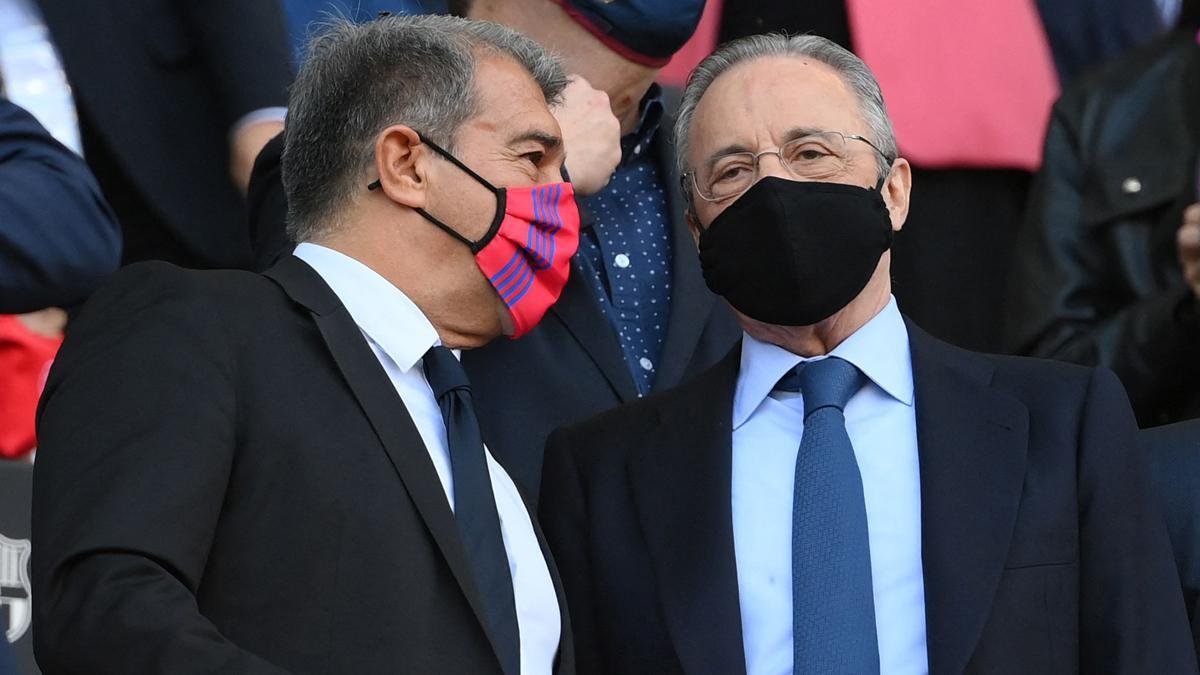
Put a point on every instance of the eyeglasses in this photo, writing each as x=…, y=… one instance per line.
x=820, y=155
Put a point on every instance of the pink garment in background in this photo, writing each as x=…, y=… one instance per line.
x=967, y=84
x=703, y=41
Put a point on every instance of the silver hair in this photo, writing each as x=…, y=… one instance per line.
x=852, y=70
x=359, y=79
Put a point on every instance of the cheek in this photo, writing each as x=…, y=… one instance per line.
x=705, y=214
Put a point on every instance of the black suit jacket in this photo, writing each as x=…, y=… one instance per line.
x=1175, y=454
x=1043, y=549
x=159, y=85
x=570, y=366
x=227, y=481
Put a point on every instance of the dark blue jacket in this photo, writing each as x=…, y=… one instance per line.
x=58, y=237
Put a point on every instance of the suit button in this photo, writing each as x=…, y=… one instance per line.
x=1131, y=185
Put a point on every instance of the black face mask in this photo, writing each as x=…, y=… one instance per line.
x=793, y=253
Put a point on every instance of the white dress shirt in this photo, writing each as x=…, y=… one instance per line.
x=881, y=422
x=400, y=334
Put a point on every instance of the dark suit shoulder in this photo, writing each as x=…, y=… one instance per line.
x=143, y=285
x=1016, y=374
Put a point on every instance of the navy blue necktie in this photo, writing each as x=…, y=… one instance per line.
x=833, y=606
x=475, y=503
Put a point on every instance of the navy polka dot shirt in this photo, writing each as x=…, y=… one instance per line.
x=626, y=254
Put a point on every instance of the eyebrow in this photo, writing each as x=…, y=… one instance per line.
x=549, y=141
x=791, y=135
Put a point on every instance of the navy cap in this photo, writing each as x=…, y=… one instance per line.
x=644, y=31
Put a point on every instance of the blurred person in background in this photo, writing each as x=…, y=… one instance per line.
x=7, y=665
x=169, y=102
x=305, y=16
x=635, y=316
x=970, y=87
x=1107, y=267
x=58, y=237
x=58, y=241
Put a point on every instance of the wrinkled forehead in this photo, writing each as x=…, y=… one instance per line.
x=509, y=100
x=758, y=104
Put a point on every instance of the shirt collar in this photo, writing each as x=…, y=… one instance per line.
x=383, y=312
x=652, y=108
x=879, y=349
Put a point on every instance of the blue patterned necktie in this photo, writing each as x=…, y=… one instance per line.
x=475, y=503
x=833, y=607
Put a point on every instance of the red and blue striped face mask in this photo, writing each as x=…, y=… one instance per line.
x=526, y=253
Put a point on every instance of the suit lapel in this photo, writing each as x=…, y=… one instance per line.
x=691, y=301
x=972, y=443
x=387, y=414
x=580, y=313
x=681, y=487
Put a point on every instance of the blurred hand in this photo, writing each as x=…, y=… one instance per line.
x=247, y=143
x=1188, y=240
x=49, y=322
x=591, y=134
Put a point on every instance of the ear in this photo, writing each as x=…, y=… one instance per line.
x=896, y=192
x=402, y=166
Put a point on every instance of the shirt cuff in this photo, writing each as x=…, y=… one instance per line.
x=276, y=114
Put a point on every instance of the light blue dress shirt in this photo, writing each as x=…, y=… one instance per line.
x=882, y=425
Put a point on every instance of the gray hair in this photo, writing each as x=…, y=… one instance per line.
x=359, y=79
x=852, y=70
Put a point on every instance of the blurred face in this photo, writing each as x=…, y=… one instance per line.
x=767, y=104
x=582, y=53
x=513, y=141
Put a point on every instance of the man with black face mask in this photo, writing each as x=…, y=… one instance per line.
x=844, y=493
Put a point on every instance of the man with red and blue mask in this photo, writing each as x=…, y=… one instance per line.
x=284, y=473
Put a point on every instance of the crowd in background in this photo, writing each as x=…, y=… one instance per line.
x=1055, y=149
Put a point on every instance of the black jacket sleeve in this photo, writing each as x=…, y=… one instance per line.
x=58, y=237
x=1067, y=300
x=137, y=431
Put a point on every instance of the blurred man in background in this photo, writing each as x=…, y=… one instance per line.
x=304, y=17
x=635, y=317
x=169, y=102
x=58, y=241
x=1107, y=269
x=58, y=237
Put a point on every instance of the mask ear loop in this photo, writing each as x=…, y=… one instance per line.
x=497, y=219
